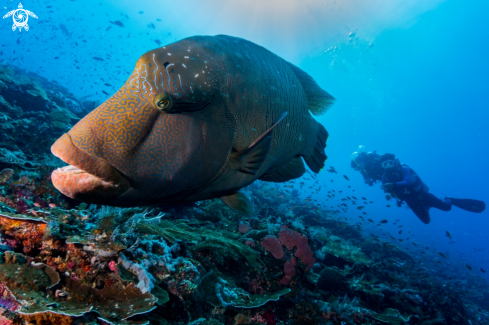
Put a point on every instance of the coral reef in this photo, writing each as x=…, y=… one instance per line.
x=295, y=262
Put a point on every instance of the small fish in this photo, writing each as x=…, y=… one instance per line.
x=108, y=85
x=152, y=26
x=97, y=58
x=64, y=29
x=361, y=207
x=388, y=206
x=16, y=183
x=400, y=232
x=158, y=42
x=332, y=170
x=442, y=255
x=384, y=221
x=483, y=271
x=468, y=266
x=117, y=23
x=37, y=204
x=141, y=12
x=370, y=220
x=449, y=235
x=52, y=205
x=346, y=177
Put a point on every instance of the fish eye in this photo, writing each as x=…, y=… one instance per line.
x=163, y=102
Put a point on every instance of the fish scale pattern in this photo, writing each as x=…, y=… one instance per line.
x=261, y=87
x=152, y=149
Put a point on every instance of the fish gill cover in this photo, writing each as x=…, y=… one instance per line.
x=169, y=243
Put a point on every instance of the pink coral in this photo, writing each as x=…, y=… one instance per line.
x=257, y=318
x=273, y=246
x=291, y=238
x=286, y=280
x=113, y=267
x=244, y=227
x=250, y=242
x=289, y=271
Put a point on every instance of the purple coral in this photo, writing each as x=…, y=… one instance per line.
x=291, y=238
x=273, y=246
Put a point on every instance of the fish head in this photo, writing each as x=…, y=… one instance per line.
x=159, y=139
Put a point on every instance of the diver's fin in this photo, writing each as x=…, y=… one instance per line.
x=318, y=99
x=238, y=202
x=294, y=169
x=316, y=160
x=252, y=158
x=469, y=204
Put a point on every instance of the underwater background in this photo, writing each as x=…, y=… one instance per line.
x=409, y=78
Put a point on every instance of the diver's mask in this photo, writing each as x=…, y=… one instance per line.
x=388, y=164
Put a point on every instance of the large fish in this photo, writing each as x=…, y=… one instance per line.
x=198, y=119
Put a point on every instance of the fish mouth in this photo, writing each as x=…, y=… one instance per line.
x=86, y=178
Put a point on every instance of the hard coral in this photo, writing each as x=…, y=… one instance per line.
x=6, y=175
x=20, y=229
x=244, y=227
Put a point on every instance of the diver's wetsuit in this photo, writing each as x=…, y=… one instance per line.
x=409, y=187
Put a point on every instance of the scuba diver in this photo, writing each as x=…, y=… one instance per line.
x=401, y=182
x=369, y=165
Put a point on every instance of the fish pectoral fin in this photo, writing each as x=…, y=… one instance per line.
x=252, y=158
x=316, y=159
x=238, y=202
x=294, y=169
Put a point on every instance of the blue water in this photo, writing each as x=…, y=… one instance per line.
x=409, y=79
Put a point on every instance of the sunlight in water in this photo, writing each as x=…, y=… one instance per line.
x=292, y=26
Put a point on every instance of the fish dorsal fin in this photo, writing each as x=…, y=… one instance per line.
x=238, y=202
x=252, y=158
x=318, y=99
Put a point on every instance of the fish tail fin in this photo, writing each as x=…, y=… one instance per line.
x=318, y=100
x=316, y=160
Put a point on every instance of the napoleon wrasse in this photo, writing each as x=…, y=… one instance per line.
x=198, y=119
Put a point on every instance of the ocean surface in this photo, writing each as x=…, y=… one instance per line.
x=409, y=78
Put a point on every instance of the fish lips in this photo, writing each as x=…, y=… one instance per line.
x=87, y=178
